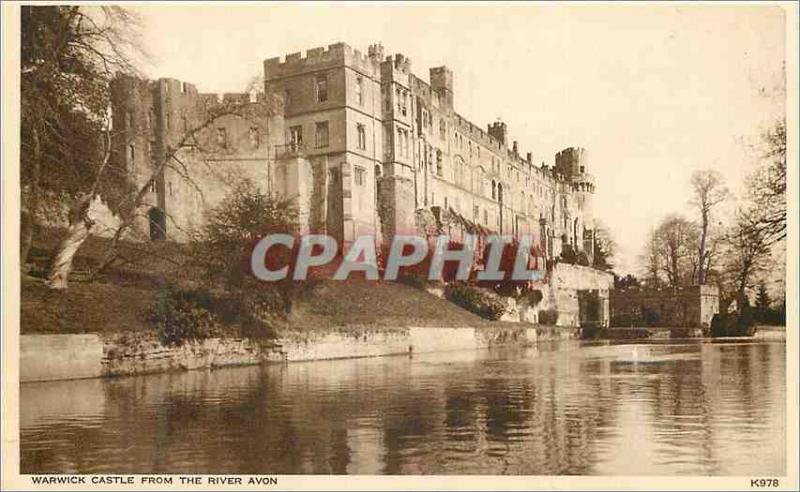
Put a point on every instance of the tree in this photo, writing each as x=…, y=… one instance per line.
x=71, y=55
x=222, y=250
x=768, y=186
x=604, y=247
x=746, y=255
x=672, y=248
x=651, y=259
x=68, y=56
x=223, y=246
x=708, y=191
x=763, y=300
x=626, y=282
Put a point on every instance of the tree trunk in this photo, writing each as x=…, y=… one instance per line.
x=78, y=232
x=701, y=274
x=30, y=210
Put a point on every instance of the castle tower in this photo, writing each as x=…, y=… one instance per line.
x=572, y=164
x=333, y=142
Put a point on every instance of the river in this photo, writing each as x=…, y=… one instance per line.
x=652, y=408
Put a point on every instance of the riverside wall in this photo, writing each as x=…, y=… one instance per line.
x=59, y=357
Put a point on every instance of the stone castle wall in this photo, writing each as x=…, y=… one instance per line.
x=692, y=306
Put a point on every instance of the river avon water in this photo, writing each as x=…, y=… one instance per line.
x=668, y=408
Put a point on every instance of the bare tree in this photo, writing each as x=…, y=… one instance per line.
x=672, y=250
x=747, y=254
x=651, y=259
x=768, y=186
x=708, y=191
x=604, y=247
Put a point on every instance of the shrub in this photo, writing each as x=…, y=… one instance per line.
x=534, y=297
x=651, y=317
x=180, y=317
x=622, y=320
x=548, y=317
x=485, y=304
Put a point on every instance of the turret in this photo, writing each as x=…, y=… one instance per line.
x=442, y=84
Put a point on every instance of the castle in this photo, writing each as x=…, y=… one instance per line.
x=363, y=144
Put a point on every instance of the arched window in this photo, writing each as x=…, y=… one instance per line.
x=494, y=190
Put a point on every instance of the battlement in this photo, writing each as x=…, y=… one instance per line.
x=175, y=86
x=572, y=162
x=337, y=54
x=399, y=62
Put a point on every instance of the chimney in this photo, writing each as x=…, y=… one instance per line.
x=515, y=148
x=529, y=158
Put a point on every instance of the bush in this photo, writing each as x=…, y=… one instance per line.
x=651, y=317
x=183, y=316
x=548, y=317
x=622, y=320
x=534, y=297
x=485, y=304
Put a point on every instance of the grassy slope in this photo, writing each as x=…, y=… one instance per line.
x=121, y=299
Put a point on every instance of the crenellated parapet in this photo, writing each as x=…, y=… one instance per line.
x=321, y=58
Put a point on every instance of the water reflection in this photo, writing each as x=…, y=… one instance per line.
x=667, y=408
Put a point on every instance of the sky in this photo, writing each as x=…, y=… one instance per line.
x=653, y=93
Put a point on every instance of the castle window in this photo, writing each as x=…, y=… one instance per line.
x=169, y=185
x=149, y=120
x=254, y=137
x=442, y=129
x=362, y=136
x=494, y=190
x=296, y=136
x=360, y=90
x=166, y=116
x=485, y=217
x=152, y=186
x=130, y=121
x=131, y=152
x=322, y=88
x=185, y=123
x=359, y=175
x=321, y=138
x=445, y=202
x=222, y=137
x=476, y=212
x=438, y=162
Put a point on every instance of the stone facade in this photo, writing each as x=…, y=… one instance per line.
x=687, y=307
x=392, y=144
x=358, y=140
x=210, y=141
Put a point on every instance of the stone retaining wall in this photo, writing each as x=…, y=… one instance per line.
x=55, y=357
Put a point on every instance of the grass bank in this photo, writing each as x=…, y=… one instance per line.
x=120, y=299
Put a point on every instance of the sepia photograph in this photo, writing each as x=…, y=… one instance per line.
x=397, y=246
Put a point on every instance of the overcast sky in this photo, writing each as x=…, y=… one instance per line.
x=653, y=93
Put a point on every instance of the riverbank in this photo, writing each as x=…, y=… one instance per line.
x=78, y=356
